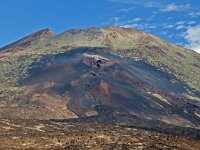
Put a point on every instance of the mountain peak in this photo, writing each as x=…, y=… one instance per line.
x=28, y=40
x=44, y=33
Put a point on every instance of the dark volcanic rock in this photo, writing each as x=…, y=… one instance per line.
x=91, y=77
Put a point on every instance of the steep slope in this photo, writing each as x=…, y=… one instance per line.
x=67, y=75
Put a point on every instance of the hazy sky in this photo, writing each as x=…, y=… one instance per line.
x=177, y=21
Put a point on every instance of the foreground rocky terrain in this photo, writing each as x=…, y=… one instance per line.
x=35, y=135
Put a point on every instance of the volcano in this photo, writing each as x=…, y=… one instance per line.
x=113, y=73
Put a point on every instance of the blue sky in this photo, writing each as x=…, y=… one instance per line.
x=177, y=21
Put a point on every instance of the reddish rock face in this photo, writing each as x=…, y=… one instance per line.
x=105, y=89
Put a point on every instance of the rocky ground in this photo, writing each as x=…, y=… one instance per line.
x=34, y=134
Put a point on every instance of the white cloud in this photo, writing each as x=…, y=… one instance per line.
x=122, y=22
x=150, y=27
x=168, y=26
x=164, y=32
x=175, y=7
x=179, y=44
x=139, y=26
x=125, y=10
x=192, y=22
x=127, y=26
x=137, y=19
x=180, y=23
x=135, y=25
x=180, y=35
x=194, y=14
x=180, y=27
x=114, y=21
x=150, y=4
x=170, y=36
x=192, y=36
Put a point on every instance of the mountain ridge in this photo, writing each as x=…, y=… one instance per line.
x=129, y=43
